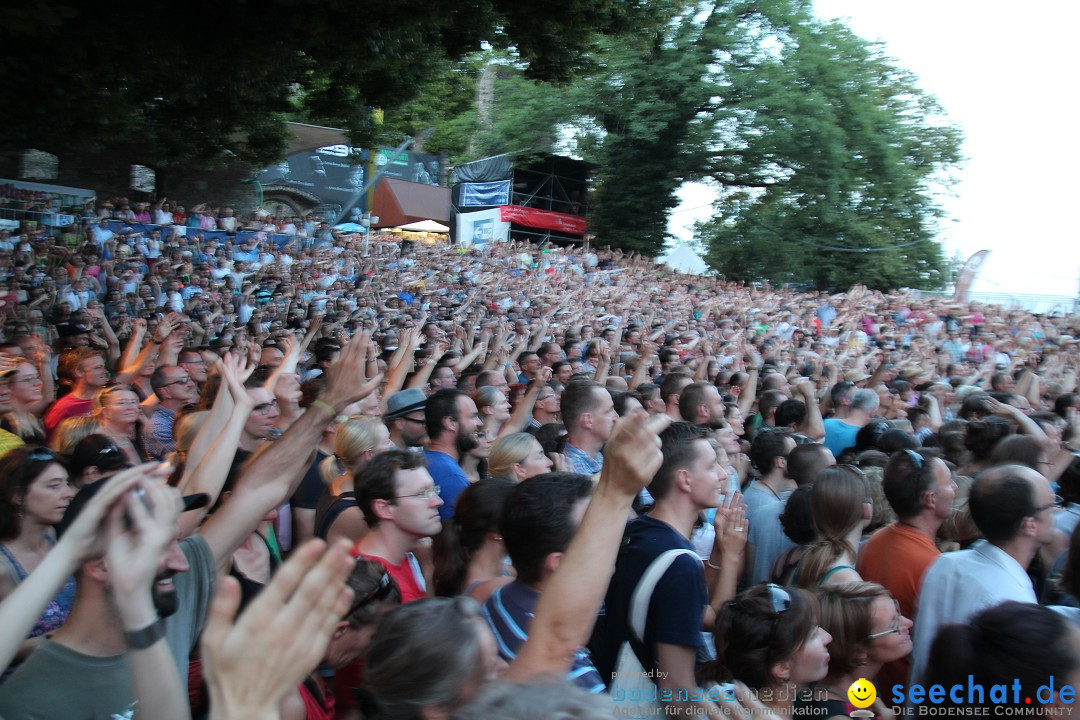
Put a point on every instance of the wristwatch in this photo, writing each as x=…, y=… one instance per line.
x=147, y=636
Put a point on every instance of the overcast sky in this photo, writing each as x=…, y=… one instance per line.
x=1006, y=74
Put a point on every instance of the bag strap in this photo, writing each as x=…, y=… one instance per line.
x=639, y=601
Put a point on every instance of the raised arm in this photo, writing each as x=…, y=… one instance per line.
x=211, y=457
x=568, y=606
x=523, y=411
x=139, y=535
x=274, y=472
x=20, y=610
x=812, y=426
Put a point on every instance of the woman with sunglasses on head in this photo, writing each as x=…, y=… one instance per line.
x=842, y=508
x=34, y=493
x=374, y=595
x=868, y=630
x=769, y=643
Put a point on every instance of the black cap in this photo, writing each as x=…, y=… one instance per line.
x=191, y=502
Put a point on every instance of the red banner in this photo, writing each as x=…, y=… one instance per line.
x=545, y=219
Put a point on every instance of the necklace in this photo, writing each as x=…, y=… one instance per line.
x=766, y=486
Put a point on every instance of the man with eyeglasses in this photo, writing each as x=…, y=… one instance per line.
x=195, y=364
x=401, y=504
x=547, y=407
x=920, y=490
x=174, y=389
x=1013, y=506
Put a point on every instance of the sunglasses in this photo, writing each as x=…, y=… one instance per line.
x=779, y=602
x=381, y=590
x=38, y=454
x=182, y=381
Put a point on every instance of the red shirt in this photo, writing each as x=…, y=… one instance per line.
x=405, y=575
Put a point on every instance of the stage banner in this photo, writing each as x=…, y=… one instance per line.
x=546, y=219
x=485, y=194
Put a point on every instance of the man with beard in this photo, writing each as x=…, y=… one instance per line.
x=452, y=426
x=94, y=635
x=404, y=418
x=91, y=654
x=700, y=403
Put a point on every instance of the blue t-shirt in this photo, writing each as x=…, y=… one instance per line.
x=839, y=436
x=450, y=478
x=676, y=609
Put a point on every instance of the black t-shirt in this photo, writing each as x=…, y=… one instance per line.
x=312, y=486
x=676, y=610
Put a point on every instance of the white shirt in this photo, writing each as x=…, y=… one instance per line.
x=960, y=584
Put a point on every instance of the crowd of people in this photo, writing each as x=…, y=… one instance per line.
x=259, y=468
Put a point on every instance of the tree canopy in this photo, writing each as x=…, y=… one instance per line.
x=214, y=82
x=824, y=152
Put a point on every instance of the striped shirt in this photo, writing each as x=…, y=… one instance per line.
x=509, y=611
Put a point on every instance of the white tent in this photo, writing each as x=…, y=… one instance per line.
x=424, y=226
x=684, y=259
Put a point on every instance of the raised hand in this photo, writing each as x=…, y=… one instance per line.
x=251, y=661
x=632, y=453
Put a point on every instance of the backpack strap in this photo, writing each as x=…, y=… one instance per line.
x=639, y=601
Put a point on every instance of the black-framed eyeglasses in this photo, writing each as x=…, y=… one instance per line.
x=413, y=420
x=1058, y=503
x=186, y=380
x=381, y=590
x=894, y=628
x=426, y=494
x=264, y=408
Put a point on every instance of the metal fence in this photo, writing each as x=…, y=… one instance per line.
x=1044, y=304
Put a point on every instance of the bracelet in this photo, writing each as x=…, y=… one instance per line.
x=714, y=567
x=324, y=406
x=147, y=636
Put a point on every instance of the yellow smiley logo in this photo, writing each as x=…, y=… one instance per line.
x=862, y=693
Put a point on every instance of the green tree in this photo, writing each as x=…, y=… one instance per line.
x=828, y=162
x=826, y=153
x=214, y=82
